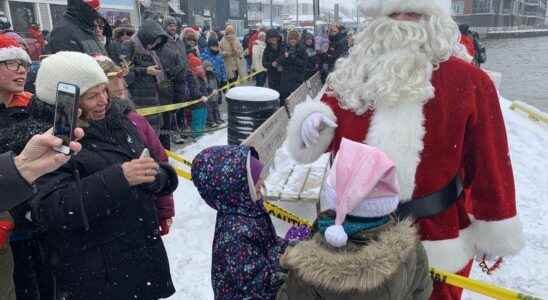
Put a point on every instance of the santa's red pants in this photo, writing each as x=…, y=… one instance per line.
x=446, y=292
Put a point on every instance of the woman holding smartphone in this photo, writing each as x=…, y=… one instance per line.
x=98, y=212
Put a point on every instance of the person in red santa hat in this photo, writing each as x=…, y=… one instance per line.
x=437, y=117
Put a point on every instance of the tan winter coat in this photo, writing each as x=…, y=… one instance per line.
x=233, y=53
x=387, y=263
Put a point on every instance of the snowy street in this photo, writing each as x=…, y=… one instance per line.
x=189, y=243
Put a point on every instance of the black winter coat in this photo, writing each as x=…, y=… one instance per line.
x=338, y=47
x=17, y=126
x=144, y=88
x=75, y=31
x=311, y=62
x=271, y=55
x=173, y=57
x=15, y=190
x=102, y=235
x=293, y=67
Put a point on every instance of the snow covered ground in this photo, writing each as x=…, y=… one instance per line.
x=189, y=243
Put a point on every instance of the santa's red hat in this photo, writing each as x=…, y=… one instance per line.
x=10, y=49
x=380, y=8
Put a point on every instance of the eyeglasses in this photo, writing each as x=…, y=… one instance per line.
x=15, y=65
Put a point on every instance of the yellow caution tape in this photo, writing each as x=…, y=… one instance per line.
x=183, y=174
x=285, y=215
x=479, y=287
x=533, y=114
x=154, y=110
x=178, y=158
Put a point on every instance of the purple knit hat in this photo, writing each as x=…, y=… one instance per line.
x=256, y=169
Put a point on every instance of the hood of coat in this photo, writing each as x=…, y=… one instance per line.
x=149, y=31
x=83, y=14
x=355, y=267
x=221, y=176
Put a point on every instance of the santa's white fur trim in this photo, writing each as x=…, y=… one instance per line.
x=336, y=236
x=497, y=238
x=399, y=132
x=450, y=255
x=378, y=8
x=295, y=143
x=11, y=53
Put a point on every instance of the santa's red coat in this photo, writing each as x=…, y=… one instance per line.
x=460, y=132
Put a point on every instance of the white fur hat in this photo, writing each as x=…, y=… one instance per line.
x=68, y=67
x=380, y=8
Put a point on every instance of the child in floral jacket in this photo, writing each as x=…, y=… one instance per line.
x=246, y=249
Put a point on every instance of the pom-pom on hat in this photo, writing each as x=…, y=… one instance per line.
x=383, y=8
x=68, y=67
x=362, y=182
x=10, y=49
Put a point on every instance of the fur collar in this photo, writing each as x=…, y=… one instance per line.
x=360, y=268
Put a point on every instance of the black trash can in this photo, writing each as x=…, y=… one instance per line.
x=248, y=108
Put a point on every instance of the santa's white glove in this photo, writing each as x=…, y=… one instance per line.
x=312, y=126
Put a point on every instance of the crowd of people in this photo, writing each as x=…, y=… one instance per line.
x=90, y=225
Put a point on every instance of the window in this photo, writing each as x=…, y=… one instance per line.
x=57, y=12
x=234, y=8
x=481, y=6
x=22, y=16
x=458, y=7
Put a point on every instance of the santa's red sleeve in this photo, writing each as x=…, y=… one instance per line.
x=496, y=229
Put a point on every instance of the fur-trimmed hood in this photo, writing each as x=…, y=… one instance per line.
x=356, y=267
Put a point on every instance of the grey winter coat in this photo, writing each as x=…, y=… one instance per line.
x=386, y=263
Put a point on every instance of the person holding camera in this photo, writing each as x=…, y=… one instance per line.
x=293, y=63
x=98, y=213
x=21, y=117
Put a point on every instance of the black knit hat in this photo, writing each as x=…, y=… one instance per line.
x=212, y=42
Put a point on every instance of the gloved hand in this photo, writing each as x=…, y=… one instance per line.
x=6, y=226
x=312, y=126
x=159, y=183
x=165, y=226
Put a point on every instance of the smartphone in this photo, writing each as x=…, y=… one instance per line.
x=145, y=153
x=66, y=114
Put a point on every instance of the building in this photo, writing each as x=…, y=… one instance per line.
x=500, y=13
x=260, y=12
x=22, y=13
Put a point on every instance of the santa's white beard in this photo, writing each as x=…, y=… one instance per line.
x=392, y=62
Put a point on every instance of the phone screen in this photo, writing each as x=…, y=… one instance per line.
x=64, y=116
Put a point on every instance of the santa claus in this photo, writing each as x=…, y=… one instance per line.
x=437, y=117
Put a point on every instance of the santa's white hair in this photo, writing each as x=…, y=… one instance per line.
x=392, y=62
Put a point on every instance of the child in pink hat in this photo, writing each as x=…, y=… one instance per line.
x=358, y=249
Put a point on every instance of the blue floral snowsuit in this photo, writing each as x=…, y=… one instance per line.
x=246, y=249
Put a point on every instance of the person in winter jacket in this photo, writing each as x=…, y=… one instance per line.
x=338, y=45
x=147, y=74
x=35, y=33
x=293, y=62
x=216, y=78
x=118, y=92
x=246, y=248
x=311, y=56
x=76, y=30
x=199, y=90
x=190, y=38
x=358, y=249
x=20, y=119
x=173, y=58
x=271, y=58
x=98, y=213
x=233, y=53
x=257, y=59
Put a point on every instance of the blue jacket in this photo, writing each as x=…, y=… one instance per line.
x=246, y=249
x=218, y=64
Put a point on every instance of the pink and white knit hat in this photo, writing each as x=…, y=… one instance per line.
x=362, y=182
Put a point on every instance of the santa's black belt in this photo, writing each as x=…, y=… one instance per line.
x=432, y=204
